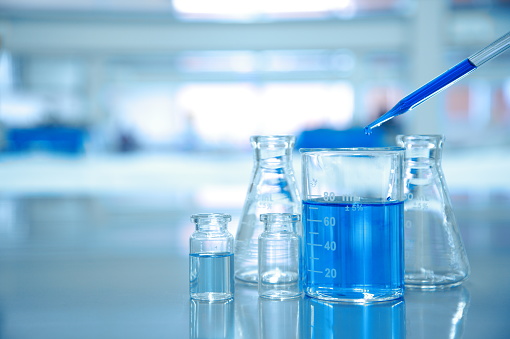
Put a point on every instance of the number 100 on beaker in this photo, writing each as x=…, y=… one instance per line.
x=353, y=236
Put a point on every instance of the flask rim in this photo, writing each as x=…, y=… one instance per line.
x=272, y=141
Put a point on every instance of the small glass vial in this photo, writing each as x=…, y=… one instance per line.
x=211, y=269
x=279, y=254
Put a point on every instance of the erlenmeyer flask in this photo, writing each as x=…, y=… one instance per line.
x=273, y=189
x=434, y=251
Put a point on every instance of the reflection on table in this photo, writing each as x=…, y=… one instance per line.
x=420, y=315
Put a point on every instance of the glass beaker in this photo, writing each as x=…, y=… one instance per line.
x=211, y=258
x=353, y=205
x=273, y=189
x=434, y=251
x=279, y=257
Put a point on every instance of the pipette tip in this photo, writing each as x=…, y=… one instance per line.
x=397, y=110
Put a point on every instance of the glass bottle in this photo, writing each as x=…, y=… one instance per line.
x=273, y=188
x=211, y=258
x=434, y=252
x=279, y=255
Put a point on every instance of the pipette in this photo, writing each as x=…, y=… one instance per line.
x=444, y=80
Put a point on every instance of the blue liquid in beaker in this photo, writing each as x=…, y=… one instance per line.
x=212, y=276
x=353, y=251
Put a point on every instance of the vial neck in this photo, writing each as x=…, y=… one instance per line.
x=280, y=228
x=210, y=227
x=273, y=158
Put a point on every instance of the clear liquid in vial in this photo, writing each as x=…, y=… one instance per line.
x=212, y=276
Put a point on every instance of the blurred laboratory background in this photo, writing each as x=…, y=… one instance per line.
x=121, y=118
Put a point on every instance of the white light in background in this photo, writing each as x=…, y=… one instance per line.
x=146, y=114
x=303, y=6
x=222, y=112
x=231, y=112
x=254, y=8
x=221, y=7
x=21, y=110
x=291, y=107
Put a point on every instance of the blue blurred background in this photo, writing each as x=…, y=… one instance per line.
x=96, y=81
x=120, y=118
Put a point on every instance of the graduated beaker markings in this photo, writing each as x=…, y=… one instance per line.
x=331, y=196
x=329, y=240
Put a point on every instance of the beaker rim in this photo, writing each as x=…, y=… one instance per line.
x=354, y=150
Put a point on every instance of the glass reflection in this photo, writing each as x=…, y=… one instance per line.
x=436, y=314
x=212, y=320
x=279, y=318
x=246, y=311
x=323, y=320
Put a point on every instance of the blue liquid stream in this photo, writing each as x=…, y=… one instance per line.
x=425, y=92
x=353, y=249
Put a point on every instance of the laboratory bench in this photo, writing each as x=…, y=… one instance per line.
x=117, y=267
x=113, y=263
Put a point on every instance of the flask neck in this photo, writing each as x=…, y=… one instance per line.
x=280, y=228
x=273, y=150
x=422, y=149
x=206, y=227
